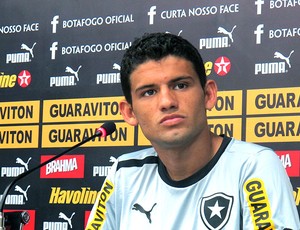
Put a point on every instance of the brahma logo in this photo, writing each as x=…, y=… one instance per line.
x=291, y=162
x=69, y=166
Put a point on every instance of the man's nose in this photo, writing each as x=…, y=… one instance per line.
x=167, y=99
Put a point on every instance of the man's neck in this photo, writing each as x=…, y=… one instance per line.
x=182, y=163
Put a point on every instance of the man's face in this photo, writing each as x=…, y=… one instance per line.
x=168, y=102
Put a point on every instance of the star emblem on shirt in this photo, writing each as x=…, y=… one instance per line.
x=216, y=210
x=222, y=66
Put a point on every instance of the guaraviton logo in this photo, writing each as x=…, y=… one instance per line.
x=258, y=204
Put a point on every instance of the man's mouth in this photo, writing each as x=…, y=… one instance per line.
x=171, y=119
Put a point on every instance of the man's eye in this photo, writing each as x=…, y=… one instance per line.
x=180, y=86
x=149, y=93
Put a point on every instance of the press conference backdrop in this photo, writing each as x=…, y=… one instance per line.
x=59, y=80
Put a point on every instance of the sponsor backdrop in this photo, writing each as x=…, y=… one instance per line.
x=59, y=80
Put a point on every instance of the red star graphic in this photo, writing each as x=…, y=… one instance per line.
x=24, y=78
x=222, y=66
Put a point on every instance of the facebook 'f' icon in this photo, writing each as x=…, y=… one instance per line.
x=54, y=23
x=151, y=14
x=53, y=50
x=258, y=32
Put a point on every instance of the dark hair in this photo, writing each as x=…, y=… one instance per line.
x=156, y=46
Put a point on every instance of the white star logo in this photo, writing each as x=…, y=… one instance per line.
x=216, y=210
x=24, y=78
x=222, y=66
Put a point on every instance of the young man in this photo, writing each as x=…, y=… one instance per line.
x=191, y=178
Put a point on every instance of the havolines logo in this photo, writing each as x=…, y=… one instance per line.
x=291, y=161
x=9, y=80
x=68, y=166
x=83, y=196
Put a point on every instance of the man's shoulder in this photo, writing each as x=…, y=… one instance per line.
x=138, y=159
x=250, y=150
x=138, y=155
x=246, y=146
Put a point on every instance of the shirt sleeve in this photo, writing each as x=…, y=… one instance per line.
x=267, y=196
x=102, y=216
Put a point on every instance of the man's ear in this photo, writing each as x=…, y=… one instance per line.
x=210, y=91
x=127, y=113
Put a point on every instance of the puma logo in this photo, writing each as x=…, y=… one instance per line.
x=286, y=59
x=30, y=50
x=116, y=66
x=68, y=219
x=75, y=72
x=24, y=192
x=225, y=32
x=138, y=207
x=25, y=164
